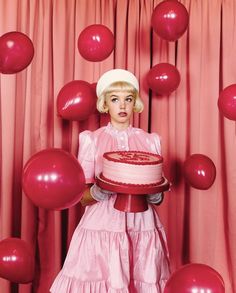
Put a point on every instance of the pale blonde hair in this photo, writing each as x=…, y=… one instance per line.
x=120, y=86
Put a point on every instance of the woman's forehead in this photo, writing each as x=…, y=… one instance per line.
x=120, y=93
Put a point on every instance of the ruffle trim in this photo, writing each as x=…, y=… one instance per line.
x=64, y=284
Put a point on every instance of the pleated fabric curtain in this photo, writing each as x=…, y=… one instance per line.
x=199, y=224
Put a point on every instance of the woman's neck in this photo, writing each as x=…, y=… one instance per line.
x=120, y=126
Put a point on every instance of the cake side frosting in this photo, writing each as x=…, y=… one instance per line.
x=132, y=167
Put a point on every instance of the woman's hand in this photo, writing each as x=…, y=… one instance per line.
x=100, y=194
x=93, y=194
x=155, y=198
x=87, y=198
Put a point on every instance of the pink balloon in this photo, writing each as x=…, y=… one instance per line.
x=53, y=179
x=76, y=100
x=193, y=278
x=227, y=102
x=170, y=20
x=96, y=42
x=199, y=171
x=16, y=52
x=163, y=78
x=16, y=260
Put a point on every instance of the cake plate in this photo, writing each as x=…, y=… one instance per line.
x=131, y=198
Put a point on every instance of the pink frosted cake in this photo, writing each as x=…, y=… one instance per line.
x=132, y=168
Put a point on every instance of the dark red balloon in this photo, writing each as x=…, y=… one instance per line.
x=193, y=278
x=16, y=260
x=163, y=78
x=227, y=102
x=53, y=179
x=76, y=100
x=96, y=42
x=16, y=52
x=199, y=171
x=170, y=20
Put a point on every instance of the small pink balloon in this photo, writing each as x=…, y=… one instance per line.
x=16, y=52
x=227, y=102
x=53, y=179
x=17, y=262
x=193, y=278
x=96, y=42
x=199, y=171
x=76, y=100
x=170, y=20
x=163, y=78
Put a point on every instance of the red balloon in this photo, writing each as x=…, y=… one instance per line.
x=76, y=100
x=227, y=102
x=16, y=52
x=199, y=171
x=170, y=20
x=53, y=179
x=195, y=278
x=16, y=260
x=96, y=42
x=163, y=78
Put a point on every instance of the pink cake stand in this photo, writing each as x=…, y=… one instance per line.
x=131, y=198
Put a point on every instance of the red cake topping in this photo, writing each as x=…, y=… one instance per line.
x=134, y=157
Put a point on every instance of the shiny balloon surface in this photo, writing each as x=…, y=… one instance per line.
x=195, y=278
x=199, y=171
x=16, y=260
x=76, y=100
x=170, y=20
x=227, y=102
x=53, y=179
x=16, y=52
x=96, y=42
x=163, y=78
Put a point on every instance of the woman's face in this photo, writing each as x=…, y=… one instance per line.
x=120, y=105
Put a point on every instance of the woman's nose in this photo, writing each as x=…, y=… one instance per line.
x=122, y=104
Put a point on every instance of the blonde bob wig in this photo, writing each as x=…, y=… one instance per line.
x=119, y=86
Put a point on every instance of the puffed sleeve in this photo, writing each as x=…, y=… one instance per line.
x=156, y=143
x=86, y=155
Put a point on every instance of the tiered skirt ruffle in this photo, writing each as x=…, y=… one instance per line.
x=130, y=257
x=72, y=285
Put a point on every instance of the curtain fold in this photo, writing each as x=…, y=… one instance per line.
x=199, y=224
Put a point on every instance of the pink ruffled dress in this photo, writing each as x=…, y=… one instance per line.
x=113, y=251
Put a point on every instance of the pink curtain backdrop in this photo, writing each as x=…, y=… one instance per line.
x=200, y=225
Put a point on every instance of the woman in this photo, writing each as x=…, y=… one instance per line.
x=113, y=251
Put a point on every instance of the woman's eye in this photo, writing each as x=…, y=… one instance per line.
x=114, y=100
x=129, y=99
